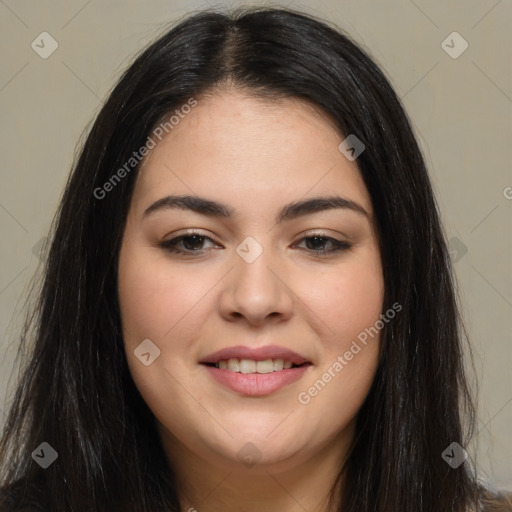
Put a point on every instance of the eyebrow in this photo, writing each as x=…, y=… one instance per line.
x=288, y=212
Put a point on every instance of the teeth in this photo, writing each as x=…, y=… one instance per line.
x=251, y=366
x=266, y=366
x=247, y=366
x=234, y=365
x=278, y=364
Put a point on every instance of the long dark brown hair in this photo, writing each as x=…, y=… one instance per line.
x=75, y=391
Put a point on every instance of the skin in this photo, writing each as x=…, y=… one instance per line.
x=255, y=156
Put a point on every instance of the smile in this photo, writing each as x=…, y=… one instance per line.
x=253, y=366
x=252, y=371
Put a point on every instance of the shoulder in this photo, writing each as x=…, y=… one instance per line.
x=498, y=501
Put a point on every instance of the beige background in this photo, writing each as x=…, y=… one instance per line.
x=461, y=109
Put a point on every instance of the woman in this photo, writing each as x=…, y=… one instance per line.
x=309, y=357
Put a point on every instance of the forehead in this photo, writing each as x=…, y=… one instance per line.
x=237, y=148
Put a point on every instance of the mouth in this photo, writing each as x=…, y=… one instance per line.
x=256, y=372
x=247, y=366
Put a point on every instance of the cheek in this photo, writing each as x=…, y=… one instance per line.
x=349, y=299
x=154, y=297
x=156, y=302
x=350, y=304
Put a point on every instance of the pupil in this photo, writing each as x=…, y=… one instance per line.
x=186, y=242
x=318, y=239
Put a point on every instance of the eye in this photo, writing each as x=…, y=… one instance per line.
x=191, y=243
x=316, y=244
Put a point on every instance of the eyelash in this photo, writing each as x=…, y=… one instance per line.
x=170, y=245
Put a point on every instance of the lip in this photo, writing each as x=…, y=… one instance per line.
x=256, y=384
x=256, y=354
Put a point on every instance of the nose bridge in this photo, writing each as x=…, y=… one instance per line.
x=255, y=289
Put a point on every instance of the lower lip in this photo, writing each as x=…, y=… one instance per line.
x=257, y=384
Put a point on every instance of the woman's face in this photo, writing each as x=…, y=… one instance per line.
x=252, y=286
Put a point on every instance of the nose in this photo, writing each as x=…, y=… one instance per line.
x=256, y=292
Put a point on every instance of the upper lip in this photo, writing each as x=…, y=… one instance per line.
x=256, y=354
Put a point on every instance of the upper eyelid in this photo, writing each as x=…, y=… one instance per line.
x=188, y=234
x=203, y=235
x=177, y=239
